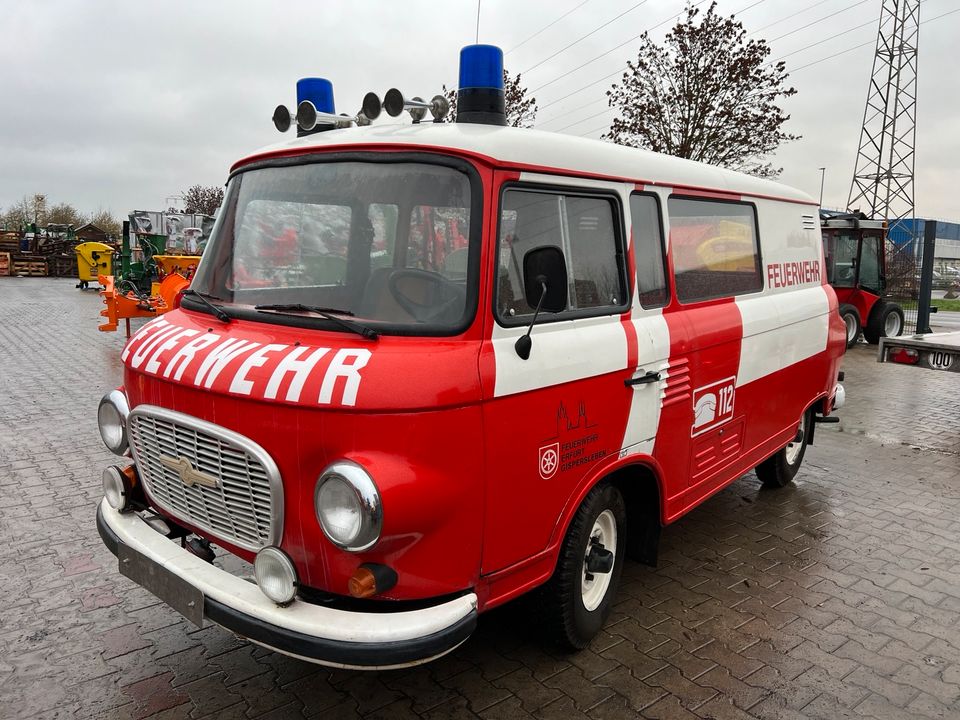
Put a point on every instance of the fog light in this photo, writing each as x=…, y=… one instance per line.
x=276, y=575
x=116, y=488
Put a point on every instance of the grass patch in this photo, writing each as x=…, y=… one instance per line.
x=946, y=305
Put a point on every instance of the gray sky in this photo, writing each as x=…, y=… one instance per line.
x=121, y=104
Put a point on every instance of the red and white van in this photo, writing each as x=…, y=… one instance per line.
x=347, y=400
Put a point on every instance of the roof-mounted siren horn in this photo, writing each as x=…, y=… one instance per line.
x=394, y=103
x=480, y=93
x=370, y=110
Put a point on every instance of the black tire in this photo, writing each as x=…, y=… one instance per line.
x=779, y=469
x=886, y=320
x=851, y=319
x=565, y=617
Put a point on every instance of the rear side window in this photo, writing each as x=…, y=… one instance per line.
x=583, y=227
x=648, y=250
x=715, y=248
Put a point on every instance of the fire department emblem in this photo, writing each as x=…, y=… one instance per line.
x=549, y=460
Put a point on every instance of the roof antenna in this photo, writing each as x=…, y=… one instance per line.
x=478, y=22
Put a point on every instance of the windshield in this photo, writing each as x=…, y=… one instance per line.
x=388, y=242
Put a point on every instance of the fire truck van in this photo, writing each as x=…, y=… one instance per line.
x=423, y=369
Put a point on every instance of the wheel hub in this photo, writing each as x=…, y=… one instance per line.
x=599, y=557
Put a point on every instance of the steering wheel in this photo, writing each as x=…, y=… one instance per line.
x=442, y=294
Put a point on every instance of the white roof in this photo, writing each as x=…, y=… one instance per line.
x=547, y=151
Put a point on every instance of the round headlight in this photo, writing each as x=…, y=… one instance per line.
x=115, y=488
x=112, y=420
x=276, y=575
x=348, y=506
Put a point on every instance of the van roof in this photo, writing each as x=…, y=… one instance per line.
x=522, y=148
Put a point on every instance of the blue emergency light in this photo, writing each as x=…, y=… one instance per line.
x=480, y=94
x=319, y=91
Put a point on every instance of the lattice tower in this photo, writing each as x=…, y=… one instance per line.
x=883, y=176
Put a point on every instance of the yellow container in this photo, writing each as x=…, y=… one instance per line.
x=93, y=259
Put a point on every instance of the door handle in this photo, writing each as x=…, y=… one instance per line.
x=648, y=377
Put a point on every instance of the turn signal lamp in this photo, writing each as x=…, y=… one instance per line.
x=371, y=579
x=480, y=93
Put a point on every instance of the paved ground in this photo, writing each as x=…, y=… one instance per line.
x=837, y=597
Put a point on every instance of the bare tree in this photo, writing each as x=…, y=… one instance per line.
x=105, y=220
x=18, y=215
x=521, y=110
x=201, y=199
x=706, y=94
x=65, y=214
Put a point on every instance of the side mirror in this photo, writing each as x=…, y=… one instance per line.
x=544, y=287
x=545, y=266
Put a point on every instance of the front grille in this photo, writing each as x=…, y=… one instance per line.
x=244, y=509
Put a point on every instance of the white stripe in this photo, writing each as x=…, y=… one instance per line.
x=562, y=352
x=780, y=329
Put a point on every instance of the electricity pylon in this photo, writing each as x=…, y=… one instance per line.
x=883, y=176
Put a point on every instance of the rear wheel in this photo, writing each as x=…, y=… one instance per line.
x=780, y=468
x=578, y=598
x=886, y=320
x=851, y=319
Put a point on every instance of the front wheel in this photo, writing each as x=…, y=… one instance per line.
x=578, y=598
x=779, y=469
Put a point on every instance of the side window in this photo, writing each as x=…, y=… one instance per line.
x=583, y=227
x=648, y=250
x=715, y=248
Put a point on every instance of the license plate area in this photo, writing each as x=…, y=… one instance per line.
x=172, y=589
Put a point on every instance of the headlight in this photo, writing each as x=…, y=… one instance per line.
x=112, y=420
x=348, y=506
x=276, y=575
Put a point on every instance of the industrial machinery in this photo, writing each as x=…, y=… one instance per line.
x=855, y=251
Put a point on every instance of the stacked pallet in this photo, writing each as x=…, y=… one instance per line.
x=62, y=265
x=4, y=264
x=9, y=241
x=27, y=266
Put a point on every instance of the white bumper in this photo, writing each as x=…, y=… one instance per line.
x=316, y=633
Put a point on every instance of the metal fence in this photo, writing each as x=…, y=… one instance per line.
x=923, y=263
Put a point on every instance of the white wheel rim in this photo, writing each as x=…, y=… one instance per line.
x=851, y=328
x=891, y=327
x=793, y=449
x=593, y=587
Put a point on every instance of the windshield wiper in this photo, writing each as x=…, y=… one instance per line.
x=326, y=313
x=218, y=311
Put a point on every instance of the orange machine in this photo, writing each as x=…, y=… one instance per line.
x=175, y=272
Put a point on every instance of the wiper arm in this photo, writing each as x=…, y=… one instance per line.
x=217, y=311
x=300, y=307
x=327, y=314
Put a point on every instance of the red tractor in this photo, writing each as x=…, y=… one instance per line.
x=854, y=249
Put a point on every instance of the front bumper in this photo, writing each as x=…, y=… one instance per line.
x=340, y=638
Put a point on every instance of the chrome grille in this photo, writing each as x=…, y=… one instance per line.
x=246, y=507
